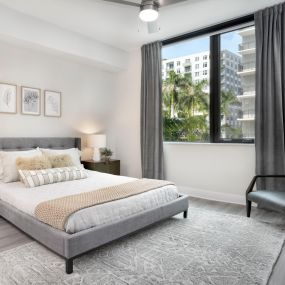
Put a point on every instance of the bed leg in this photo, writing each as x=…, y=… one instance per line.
x=69, y=265
x=185, y=214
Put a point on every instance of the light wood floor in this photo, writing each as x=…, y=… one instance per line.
x=11, y=237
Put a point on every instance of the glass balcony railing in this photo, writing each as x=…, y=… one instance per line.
x=248, y=88
x=248, y=114
x=246, y=66
x=246, y=45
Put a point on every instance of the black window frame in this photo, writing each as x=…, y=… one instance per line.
x=215, y=32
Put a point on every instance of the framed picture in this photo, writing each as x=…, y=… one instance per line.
x=8, y=98
x=52, y=103
x=31, y=101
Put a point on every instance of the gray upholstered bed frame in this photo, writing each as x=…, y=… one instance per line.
x=70, y=246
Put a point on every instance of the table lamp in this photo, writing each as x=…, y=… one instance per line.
x=96, y=142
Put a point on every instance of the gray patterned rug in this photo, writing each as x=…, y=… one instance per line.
x=207, y=248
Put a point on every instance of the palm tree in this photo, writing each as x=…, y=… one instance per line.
x=171, y=89
x=186, y=107
x=193, y=98
x=227, y=98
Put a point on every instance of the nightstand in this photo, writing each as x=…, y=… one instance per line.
x=113, y=167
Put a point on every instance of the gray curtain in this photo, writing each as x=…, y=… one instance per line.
x=151, y=112
x=270, y=95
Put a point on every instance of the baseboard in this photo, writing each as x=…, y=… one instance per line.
x=211, y=195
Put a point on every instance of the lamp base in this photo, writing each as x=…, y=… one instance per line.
x=96, y=154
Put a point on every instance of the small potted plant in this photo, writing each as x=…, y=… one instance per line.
x=106, y=154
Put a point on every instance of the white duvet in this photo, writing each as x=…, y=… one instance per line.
x=26, y=199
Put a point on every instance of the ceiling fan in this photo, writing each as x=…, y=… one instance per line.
x=148, y=10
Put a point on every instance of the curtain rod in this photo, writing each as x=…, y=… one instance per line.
x=210, y=29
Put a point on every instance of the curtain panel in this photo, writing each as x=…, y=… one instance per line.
x=270, y=95
x=151, y=112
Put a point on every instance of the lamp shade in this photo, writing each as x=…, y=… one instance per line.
x=96, y=141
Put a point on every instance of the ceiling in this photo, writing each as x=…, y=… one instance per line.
x=119, y=25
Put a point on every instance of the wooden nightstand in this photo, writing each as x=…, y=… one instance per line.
x=113, y=167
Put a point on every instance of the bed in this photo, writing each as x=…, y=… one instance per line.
x=104, y=225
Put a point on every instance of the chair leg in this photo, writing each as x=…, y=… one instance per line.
x=185, y=214
x=69, y=266
x=248, y=208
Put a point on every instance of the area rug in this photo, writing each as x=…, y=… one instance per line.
x=207, y=248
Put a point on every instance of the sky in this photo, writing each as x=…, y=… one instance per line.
x=229, y=41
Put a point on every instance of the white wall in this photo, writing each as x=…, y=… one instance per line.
x=213, y=171
x=124, y=130
x=86, y=93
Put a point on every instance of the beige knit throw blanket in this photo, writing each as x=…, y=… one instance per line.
x=56, y=212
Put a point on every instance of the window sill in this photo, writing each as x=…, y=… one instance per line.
x=209, y=144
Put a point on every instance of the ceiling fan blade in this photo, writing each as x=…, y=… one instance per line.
x=124, y=2
x=163, y=3
x=152, y=27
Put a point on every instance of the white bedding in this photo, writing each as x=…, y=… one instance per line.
x=26, y=199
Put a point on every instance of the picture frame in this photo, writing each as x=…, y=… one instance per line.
x=8, y=98
x=31, y=101
x=52, y=103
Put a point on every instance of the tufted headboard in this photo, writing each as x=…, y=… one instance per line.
x=30, y=143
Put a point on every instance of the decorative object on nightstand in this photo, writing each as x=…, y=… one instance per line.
x=96, y=142
x=106, y=154
x=112, y=167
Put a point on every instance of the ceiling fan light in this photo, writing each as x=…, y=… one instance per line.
x=149, y=12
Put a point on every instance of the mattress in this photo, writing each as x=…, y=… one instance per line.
x=26, y=199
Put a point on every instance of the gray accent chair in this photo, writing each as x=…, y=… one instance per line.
x=272, y=200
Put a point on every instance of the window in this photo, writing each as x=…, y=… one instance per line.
x=178, y=63
x=170, y=65
x=218, y=105
x=187, y=69
x=178, y=71
x=185, y=97
x=237, y=102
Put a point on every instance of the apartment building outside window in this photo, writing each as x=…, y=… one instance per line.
x=233, y=119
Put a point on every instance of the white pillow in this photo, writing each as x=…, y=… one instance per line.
x=73, y=152
x=35, y=178
x=10, y=171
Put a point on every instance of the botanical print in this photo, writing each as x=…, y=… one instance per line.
x=52, y=104
x=31, y=101
x=8, y=98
